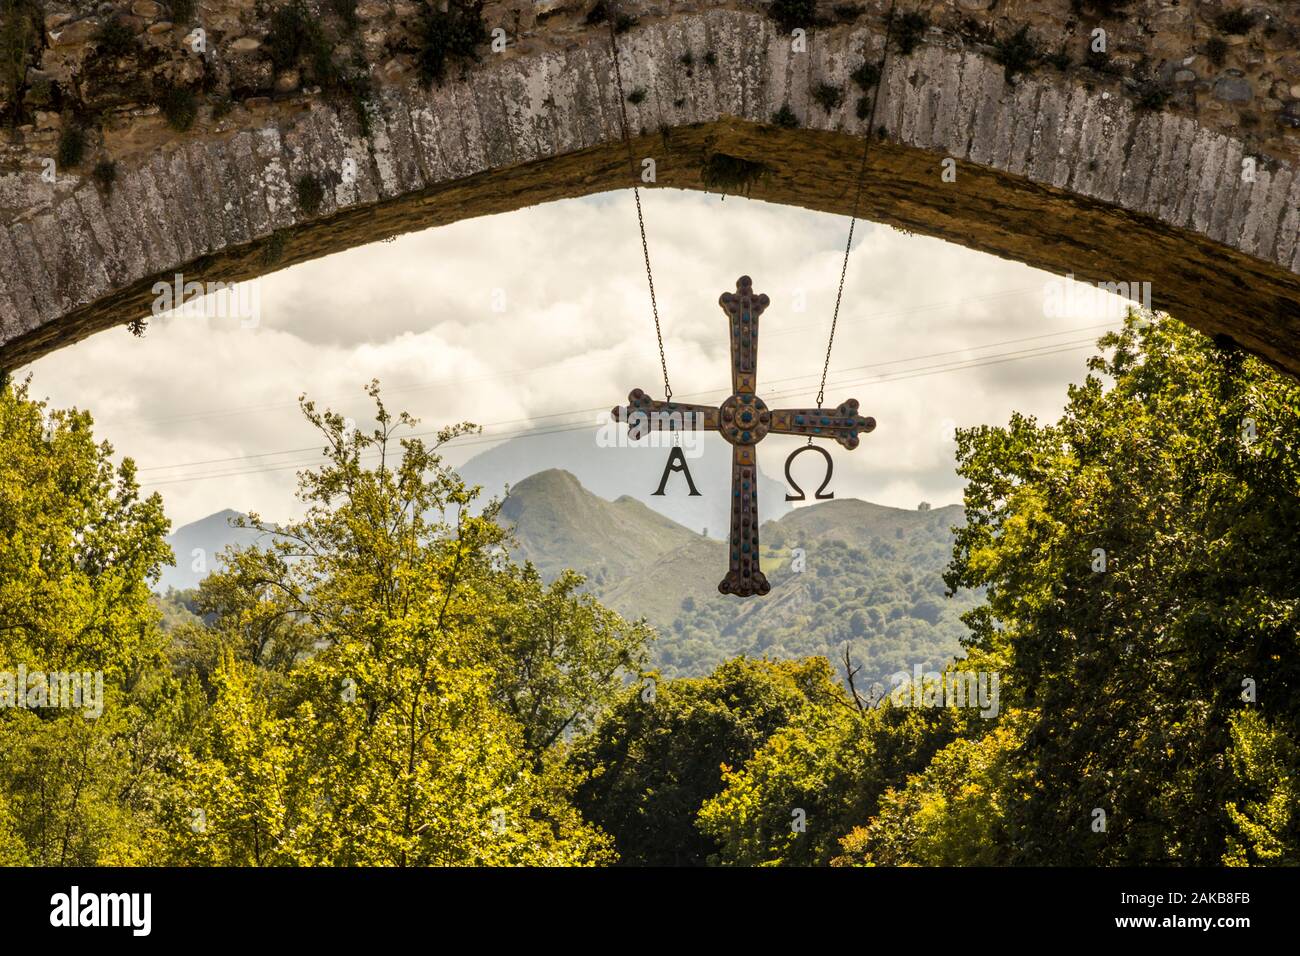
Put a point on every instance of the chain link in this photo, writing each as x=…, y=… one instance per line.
x=857, y=200
x=636, y=192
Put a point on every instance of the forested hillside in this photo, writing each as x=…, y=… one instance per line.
x=872, y=577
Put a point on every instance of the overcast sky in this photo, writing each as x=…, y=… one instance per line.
x=540, y=318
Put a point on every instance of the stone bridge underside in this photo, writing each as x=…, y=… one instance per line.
x=1052, y=170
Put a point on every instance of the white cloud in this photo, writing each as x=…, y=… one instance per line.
x=575, y=333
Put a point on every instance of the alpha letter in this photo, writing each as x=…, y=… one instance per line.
x=677, y=462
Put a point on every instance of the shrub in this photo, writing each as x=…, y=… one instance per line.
x=793, y=13
x=1016, y=54
x=785, y=118
x=1216, y=50
x=453, y=34
x=731, y=173
x=1235, y=22
x=114, y=38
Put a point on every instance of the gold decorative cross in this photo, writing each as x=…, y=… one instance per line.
x=744, y=420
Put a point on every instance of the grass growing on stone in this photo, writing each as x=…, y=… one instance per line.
x=1101, y=8
x=72, y=146
x=273, y=250
x=848, y=12
x=731, y=173
x=20, y=39
x=1152, y=96
x=180, y=107
x=863, y=110
x=449, y=35
x=310, y=194
x=345, y=10
x=637, y=96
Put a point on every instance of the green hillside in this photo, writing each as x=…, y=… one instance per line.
x=872, y=577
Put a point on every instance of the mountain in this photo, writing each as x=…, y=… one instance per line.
x=627, y=469
x=872, y=576
x=198, y=547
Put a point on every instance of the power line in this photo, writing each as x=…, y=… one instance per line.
x=767, y=383
x=528, y=370
x=901, y=375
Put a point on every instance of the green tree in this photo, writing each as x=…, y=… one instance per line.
x=1140, y=563
x=414, y=732
x=832, y=764
x=78, y=548
x=664, y=747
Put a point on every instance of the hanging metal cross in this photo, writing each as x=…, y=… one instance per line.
x=744, y=420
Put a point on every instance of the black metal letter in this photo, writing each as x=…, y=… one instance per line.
x=677, y=462
x=830, y=470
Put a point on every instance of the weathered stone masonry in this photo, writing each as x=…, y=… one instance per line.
x=1123, y=168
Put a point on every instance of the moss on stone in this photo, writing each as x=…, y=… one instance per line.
x=828, y=97
x=105, y=173
x=72, y=146
x=785, y=118
x=180, y=106
x=910, y=31
x=866, y=76
x=310, y=193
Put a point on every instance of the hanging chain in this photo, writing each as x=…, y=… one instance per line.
x=857, y=199
x=636, y=193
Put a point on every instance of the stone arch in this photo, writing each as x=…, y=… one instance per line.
x=1061, y=168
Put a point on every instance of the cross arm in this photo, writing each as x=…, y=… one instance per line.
x=644, y=414
x=842, y=423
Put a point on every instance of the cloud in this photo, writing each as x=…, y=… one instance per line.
x=541, y=317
